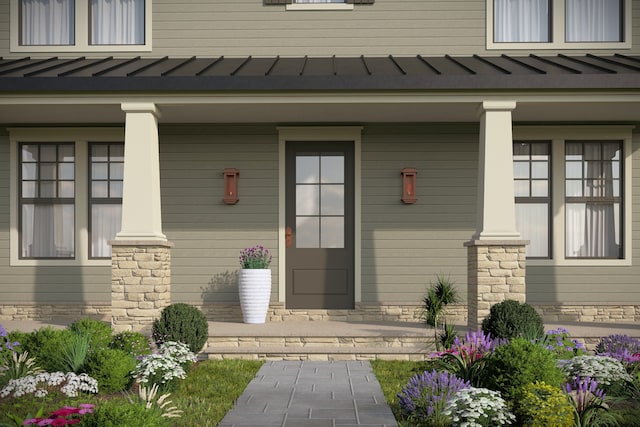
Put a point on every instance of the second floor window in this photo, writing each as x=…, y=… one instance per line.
x=561, y=22
x=55, y=22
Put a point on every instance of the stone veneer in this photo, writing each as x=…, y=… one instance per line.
x=496, y=272
x=140, y=283
x=230, y=312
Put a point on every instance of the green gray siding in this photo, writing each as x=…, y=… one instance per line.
x=247, y=27
x=208, y=234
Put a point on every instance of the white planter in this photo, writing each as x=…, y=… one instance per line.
x=255, y=291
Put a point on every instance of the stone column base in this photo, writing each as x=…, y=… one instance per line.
x=496, y=272
x=140, y=283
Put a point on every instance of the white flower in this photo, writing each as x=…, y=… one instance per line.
x=475, y=407
x=604, y=369
x=41, y=384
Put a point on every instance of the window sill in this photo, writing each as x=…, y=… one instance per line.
x=579, y=263
x=320, y=6
x=60, y=263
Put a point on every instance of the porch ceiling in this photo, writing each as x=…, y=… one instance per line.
x=311, y=90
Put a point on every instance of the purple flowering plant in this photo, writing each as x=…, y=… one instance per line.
x=588, y=401
x=465, y=358
x=623, y=348
x=425, y=397
x=561, y=344
x=255, y=257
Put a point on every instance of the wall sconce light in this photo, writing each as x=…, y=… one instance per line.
x=231, y=186
x=409, y=185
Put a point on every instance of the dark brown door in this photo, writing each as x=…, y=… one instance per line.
x=319, y=225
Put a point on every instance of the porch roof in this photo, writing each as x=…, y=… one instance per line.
x=390, y=73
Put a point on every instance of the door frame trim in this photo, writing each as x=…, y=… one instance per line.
x=314, y=134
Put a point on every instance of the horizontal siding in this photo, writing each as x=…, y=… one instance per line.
x=208, y=235
x=404, y=247
x=246, y=27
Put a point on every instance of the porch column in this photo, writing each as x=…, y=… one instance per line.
x=496, y=254
x=141, y=254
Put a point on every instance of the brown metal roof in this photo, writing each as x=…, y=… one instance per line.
x=320, y=73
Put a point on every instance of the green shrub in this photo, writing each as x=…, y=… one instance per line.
x=112, y=369
x=44, y=346
x=510, y=318
x=539, y=404
x=181, y=323
x=99, y=331
x=134, y=343
x=122, y=412
x=513, y=365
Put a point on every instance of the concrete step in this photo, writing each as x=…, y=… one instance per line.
x=319, y=340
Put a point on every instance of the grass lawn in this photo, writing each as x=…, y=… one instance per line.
x=209, y=391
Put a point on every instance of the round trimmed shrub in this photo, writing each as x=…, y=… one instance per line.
x=134, y=343
x=539, y=404
x=99, y=332
x=519, y=362
x=182, y=323
x=112, y=368
x=121, y=412
x=510, y=318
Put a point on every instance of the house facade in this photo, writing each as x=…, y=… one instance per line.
x=370, y=145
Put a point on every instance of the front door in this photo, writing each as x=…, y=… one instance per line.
x=319, y=225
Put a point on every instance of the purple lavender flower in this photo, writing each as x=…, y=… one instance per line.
x=585, y=394
x=623, y=348
x=255, y=257
x=426, y=394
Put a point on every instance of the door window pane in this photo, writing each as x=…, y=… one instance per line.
x=307, y=200
x=332, y=197
x=332, y=232
x=307, y=232
x=332, y=169
x=307, y=169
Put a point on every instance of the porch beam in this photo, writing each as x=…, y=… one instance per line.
x=141, y=214
x=496, y=219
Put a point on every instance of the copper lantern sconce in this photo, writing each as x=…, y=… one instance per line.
x=231, y=186
x=409, y=185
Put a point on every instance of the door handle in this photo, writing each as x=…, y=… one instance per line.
x=288, y=237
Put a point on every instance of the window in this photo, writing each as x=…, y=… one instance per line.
x=105, y=196
x=531, y=169
x=571, y=199
x=66, y=195
x=593, y=198
x=47, y=196
x=561, y=24
x=80, y=25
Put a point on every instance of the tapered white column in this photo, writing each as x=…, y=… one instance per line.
x=141, y=214
x=496, y=201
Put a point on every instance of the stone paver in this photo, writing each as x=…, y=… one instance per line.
x=310, y=394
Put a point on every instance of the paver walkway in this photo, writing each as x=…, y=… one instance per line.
x=315, y=394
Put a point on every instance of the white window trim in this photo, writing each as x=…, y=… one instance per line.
x=321, y=133
x=319, y=6
x=558, y=135
x=81, y=34
x=557, y=32
x=81, y=137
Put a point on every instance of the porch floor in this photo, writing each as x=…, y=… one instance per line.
x=340, y=340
